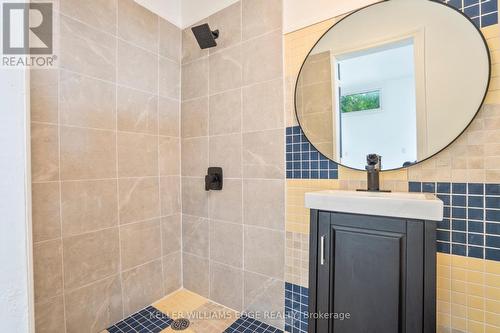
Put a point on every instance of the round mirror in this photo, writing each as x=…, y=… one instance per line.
x=400, y=78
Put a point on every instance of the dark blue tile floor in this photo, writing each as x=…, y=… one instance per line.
x=148, y=320
x=249, y=325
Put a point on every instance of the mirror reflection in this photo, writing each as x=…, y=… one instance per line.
x=403, y=86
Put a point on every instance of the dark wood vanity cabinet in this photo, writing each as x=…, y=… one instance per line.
x=380, y=271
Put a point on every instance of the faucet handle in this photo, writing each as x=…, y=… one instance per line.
x=373, y=162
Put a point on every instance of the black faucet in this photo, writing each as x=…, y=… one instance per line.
x=373, y=166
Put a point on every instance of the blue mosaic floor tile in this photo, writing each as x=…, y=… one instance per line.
x=148, y=320
x=246, y=324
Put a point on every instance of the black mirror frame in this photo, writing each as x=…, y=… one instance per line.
x=452, y=141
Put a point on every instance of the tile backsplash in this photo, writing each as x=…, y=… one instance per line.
x=471, y=224
x=482, y=12
x=304, y=161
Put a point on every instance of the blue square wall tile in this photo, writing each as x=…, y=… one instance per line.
x=475, y=252
x=429, y=187
x=459, y=188
x=415, y=187
x=474, y=188
x=492, y=254
x=443, y=187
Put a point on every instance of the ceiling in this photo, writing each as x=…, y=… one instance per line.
x=184, y=13
x=296, y=13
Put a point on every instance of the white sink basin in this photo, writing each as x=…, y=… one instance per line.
x=418, y=206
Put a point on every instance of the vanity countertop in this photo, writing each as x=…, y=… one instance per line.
x=418, y=206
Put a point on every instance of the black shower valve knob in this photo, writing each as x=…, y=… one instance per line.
x=214, y=179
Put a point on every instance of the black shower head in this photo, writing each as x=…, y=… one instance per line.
x=205, y=37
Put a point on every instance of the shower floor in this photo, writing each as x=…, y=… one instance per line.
x=204, y=317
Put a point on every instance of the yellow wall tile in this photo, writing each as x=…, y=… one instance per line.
x=492, y=293
x=492, y=267
x=475, y=302
x=492, y=306
x=475, y=327
x=492, y=280
x=458, y=323
x=492, y=319
x=475, y=314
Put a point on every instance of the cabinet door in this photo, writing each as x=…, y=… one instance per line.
x=367, y=279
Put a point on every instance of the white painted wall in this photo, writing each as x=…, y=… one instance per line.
x=16, y=287
x=298, y=14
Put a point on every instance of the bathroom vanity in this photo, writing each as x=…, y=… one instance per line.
x=377, y=99
x=373, y=261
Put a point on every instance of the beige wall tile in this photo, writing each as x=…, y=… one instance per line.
x=194, y=157
x=225, y=70
x=263, y=294
x=261, y=16
x=195, y=274
x=137, y=25
x=226, y=243
x=170, y=156
x=195, y=79
x=263, y=106
x=190, y=48
x=263, y=251
x=263, y=154
x=86, y=102
x=169, y=117
x=45, y=211
x=140, y=243
x=194, y=118
x=171, y=231
x=90, y=257
x=137, y=68
x=226, y=286
x=194, y=197
x=44, y=87
x=195, y=236
x=137, y=155
x=88, y=206
x=137, y=111
x=94, y=307
x=139, y=199
x=49, y=316
x=142, y=286
x=100, y=14
x=172, y=272
x=87, y=51
x=225, y=152
x=44, y=152
x=226, y=205
x=170, y=40
x=225, y=113
x=47, y=269
x=227, y=20
x=264, y=203
x=170, y=78
x=262, y=58
x=87, y=153
x=170, y=188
